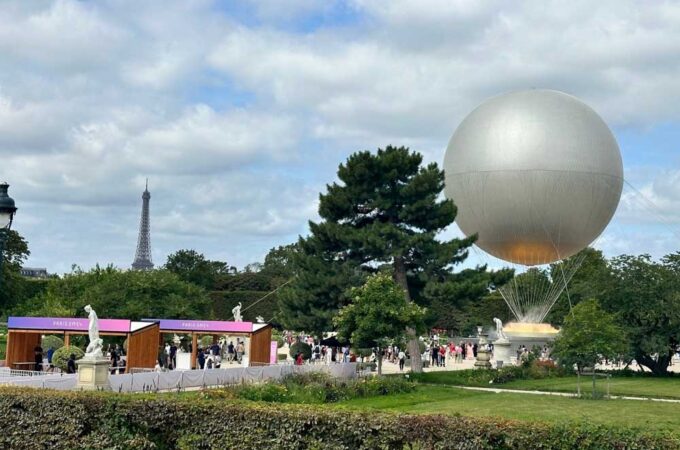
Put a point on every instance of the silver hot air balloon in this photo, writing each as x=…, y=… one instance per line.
x=536, y=174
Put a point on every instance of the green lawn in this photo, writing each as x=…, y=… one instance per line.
x=629, y=386
x=643, y=386
x=449, y=400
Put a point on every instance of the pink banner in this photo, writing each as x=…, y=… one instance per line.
x=274, y=353
x=206, y=326
x=67, y=324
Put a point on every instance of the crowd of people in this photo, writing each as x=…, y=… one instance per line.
x=212, y=356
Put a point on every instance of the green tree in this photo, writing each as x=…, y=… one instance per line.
x=379, y=311
x=589, y=336
x=319, y=290
x=592, y=279
x=193, y=267
x=386, y=210
x=13, y=287
x=462, y=301
x=126, y=294
x=646, y=295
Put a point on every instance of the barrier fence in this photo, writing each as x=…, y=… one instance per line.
x=185, y=379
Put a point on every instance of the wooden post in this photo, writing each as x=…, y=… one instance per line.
x=67, y=339
x=194, y=349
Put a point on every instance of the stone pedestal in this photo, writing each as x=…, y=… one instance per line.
x=93, y=374
x=502, y=352
x=483, y=354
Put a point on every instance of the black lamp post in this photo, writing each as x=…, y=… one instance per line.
x=7, y=210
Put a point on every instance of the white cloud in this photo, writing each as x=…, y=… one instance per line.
x=239, y=121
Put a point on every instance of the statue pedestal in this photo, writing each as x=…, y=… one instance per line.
x=483, y=359
x=502, y=353
x=93, y=374
x=483, y=354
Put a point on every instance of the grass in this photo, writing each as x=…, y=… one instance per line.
x=644, y=415
x=635, y=386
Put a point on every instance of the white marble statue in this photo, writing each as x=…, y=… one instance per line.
x=499, y=328
x=237, y=313
x=259, y=319
x=94, y=348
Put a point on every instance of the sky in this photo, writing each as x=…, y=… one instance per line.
x=239, y=112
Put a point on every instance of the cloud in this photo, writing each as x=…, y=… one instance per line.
x=240, y=113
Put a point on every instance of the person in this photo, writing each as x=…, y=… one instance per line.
x=230, y=351
x=114, y=360
x=298, y=359
x=475, y=347
x=468, y=351
x=173, y=356
x=71, y=364
x=50, y=353
x=201, y=358
x=442, y=356
x=161, y=356
x=240, y=349
x=433, y=355
x=215, y=349
x=121, y=365
x=402, y=359
x=38, y=352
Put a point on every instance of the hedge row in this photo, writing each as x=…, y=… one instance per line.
x=31, y=419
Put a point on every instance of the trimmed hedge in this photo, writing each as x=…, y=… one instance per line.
x=31, y=419
x=61, y=356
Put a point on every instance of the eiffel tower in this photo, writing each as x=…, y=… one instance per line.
x=143, y=253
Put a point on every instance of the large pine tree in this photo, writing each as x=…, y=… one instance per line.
x=386, y=209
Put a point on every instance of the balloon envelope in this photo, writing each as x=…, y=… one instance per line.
x=536, y=174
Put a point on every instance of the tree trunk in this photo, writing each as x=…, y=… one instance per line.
x=593, y=394
x=578, y=381
x=658, y=366
x=413, y=344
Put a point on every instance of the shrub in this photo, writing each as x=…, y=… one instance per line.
x=314, y=388
x=301, y=347
x=66, y=420
x=51, y=341
x=61, y=356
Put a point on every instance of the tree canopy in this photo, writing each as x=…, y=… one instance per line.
x=125, y=294
x=386, y=211
x=379, y=311
x=646, y=295
x=589, y=336
x=193, y=267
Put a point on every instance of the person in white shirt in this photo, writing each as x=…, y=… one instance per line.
x=402, y=359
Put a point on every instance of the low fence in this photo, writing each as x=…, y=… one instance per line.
x=185, y=379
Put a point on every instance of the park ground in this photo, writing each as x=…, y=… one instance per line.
x=442, y=393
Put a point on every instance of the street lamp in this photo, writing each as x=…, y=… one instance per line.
x=7, y=210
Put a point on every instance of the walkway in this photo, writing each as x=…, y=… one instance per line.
x=559, y=394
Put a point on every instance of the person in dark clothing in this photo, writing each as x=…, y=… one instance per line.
x=114, y=360
x=50, y=352
x=38, y=358
x=434, y=355
x=230, y=351
x=474, y=350
x=173, y=356
x=161, y=356
x=201, y=358
x=71, y=364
